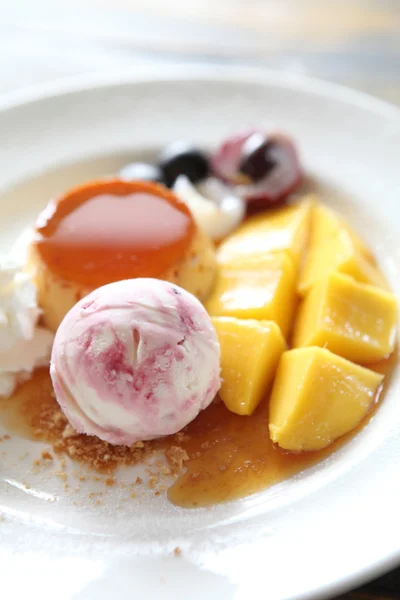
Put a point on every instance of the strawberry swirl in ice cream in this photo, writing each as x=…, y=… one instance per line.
x=135, y=360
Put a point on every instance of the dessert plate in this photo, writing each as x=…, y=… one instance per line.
x=315, y=535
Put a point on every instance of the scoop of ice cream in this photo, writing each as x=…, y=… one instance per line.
x=135, y=360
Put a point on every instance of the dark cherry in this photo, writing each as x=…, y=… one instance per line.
x=181, y=158
x=257, y=158
x=142, y=172
x=262, y=168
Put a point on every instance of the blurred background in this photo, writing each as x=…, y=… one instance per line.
x=354, y=42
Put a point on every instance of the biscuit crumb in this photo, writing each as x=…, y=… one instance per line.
x=48, y=424
x=182, y=437
x=46, y=455
x=153, y=482
x=138, y=445
x=176, y=456
x=68, y=431
x=94, y=494
x=62, y=475
x=165, y=470
x=177, y=551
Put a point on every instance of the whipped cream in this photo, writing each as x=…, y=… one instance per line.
x=216, y=210
x=23, y=344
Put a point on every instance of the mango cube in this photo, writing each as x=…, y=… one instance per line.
x=334, y=247
x=278, y=230
x=250, y=351
x=262, y=288
x=355, y=320
x=318, y=397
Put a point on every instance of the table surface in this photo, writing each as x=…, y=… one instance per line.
x=352, y=42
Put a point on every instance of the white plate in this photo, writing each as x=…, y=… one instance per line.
x=331, y=527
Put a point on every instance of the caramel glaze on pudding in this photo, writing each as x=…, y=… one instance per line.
x=109, y=230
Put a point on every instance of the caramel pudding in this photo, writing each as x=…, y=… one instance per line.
x=106, y=231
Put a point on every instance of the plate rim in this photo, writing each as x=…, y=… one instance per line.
x=71, y=85
x=151, y=74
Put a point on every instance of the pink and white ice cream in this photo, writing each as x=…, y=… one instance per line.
x=135, y=360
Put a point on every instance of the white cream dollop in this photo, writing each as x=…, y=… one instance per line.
x=23, y=344
x=214, y=207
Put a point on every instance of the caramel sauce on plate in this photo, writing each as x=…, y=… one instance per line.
x=230, y=456
x=110, y=230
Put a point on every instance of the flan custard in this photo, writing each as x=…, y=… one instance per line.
x=109, y=230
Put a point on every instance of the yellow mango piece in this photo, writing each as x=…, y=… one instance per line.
x=250, y=351
x=318, y=397
x=261, y=288
x=277, y=230
x=355, y=320
x=334, y=247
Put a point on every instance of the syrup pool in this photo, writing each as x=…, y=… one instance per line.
x=230, y=456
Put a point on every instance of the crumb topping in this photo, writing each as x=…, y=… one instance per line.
x=176, y=456
x=93, y=459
